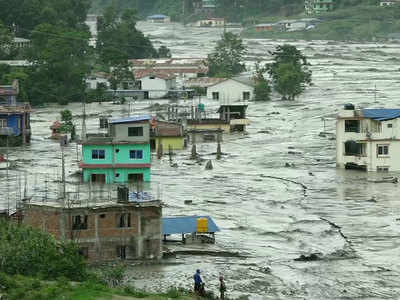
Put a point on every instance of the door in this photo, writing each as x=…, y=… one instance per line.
x=135, y=177
x=215, y=95
x=98, y=178
x=146, y=95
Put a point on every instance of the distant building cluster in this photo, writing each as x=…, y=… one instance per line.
x=318, y=6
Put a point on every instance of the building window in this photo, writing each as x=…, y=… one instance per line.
x=383, y=150
x=116, y=175
x=390, y=125
x=84, y=251
x=116, y=150
x=352, y=148
x=135, y=131
x=136, y=154
x=352, y=125
x=382, y=169
x=79, y=222
x=102, y=216
x=98, y=154
x=124, y=220
x=3, y=123
x=215, y=95
x=121, y=252
x=246, y=95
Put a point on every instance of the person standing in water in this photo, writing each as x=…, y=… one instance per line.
x=197, y=281
x=222, y=287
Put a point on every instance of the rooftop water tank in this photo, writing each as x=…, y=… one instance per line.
x=202, y=225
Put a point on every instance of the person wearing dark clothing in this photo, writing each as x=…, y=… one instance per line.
x=197, y=281
x=222, y=287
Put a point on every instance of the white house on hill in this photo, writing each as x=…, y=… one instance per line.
x=232, y=89
x=368, y=139
x=155, y=84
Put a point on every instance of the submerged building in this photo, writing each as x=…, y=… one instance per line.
x=14, y=116
x=368, y=139
x=127, y=228
x=122, y=155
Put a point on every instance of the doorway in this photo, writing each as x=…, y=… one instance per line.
x=138, y=177
x=98, y=178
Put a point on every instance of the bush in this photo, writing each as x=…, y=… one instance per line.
x=112, y=276
x=173, y=292
x=132, y=291
x=30, y=252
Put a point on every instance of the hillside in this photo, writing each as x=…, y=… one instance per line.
x=359, y=23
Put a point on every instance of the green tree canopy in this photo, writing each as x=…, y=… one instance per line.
x=60, y=58
x=289, y=71
x=28, y=251
x=119, y=40
x=228, y=56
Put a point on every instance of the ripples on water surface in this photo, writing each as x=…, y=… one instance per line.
x=269, y=221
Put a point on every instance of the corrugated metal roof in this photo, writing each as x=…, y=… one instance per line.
x=157, y=17
x=131, y=119
x=381, y=114
x=179, y=225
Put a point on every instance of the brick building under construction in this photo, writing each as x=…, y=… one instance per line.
x=129, y=229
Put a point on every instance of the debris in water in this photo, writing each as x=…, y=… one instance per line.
x=209, y=165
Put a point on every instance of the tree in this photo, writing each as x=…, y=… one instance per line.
x=121, y=76
x=60, y=58
x=118, y=39
x=262, y=89
x=164, y=52
x=228, y=56
x=289, y=71
x=66, y=120
x=7, y=49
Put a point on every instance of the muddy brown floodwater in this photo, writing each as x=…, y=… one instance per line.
x=349, y=244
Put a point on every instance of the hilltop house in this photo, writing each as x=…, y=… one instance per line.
x=14, y=116
x=206, y=7
x=126, y=228
x=368, y=139
x=122, y=155
x=155, y=83
x=318, y=6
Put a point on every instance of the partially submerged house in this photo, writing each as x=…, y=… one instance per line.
x=156, y=84
x=211, y=22
x=232, y=89
x=14, y=116
x=169, y=136
x=160, y=18
x=182, y=68
x=125, y=228
x=265, y=27
x=368, y=139
x=122, y=155
x=232, y=117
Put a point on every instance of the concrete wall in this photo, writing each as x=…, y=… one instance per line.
x=116, y=154
x=230, y=90
x=112, y=174
x=372, y=134
x=225, y=127
x=158, y=85
x=176, y=143
x=120, y=132
x=102, y=236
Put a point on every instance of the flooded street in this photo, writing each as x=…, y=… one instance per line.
x=268, y=213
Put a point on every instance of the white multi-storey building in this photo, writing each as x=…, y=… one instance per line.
x=368, y=139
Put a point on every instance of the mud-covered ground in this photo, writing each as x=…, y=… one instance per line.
x=268, y=213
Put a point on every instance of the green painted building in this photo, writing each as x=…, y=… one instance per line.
x=122, y=156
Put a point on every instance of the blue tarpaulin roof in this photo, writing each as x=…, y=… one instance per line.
x=381, y=114
x=131, y=119
x=179, y=225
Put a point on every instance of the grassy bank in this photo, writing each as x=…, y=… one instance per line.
x=29, y=288
x=358, y=23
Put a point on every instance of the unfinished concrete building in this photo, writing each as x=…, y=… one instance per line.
x=129, y=229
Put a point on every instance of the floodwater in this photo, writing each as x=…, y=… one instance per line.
x=268, y=213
